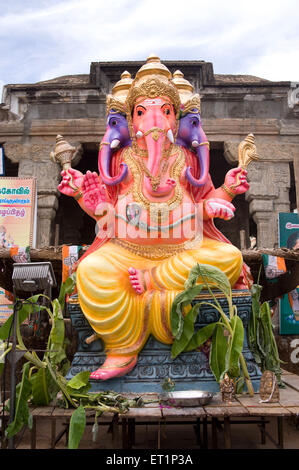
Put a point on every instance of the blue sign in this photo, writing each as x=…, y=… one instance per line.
x=288, y=237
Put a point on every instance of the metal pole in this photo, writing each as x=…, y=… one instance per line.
x=13, y=362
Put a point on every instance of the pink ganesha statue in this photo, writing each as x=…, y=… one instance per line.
x=154, y=204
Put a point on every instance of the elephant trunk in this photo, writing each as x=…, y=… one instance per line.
x=203, y=157
x=105, y=155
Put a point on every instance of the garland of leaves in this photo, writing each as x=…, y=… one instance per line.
x=43, y=380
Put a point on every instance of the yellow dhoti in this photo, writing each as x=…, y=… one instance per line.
x=123, y=319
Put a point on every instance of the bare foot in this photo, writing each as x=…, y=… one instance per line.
x=114, y=366
x=137, y=280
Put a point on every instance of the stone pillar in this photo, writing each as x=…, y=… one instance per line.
x=269, y=181
x=34, y=161
x=268, y=195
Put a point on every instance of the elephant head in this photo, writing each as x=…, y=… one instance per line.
x=116, y=136
x=191, y=135
x=154, y=123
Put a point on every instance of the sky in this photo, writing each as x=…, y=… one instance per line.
x=43, y=39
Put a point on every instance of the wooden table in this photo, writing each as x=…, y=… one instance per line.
x=216, y=414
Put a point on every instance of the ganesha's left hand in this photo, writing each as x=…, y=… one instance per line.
x=235, y=180
x=220, y=208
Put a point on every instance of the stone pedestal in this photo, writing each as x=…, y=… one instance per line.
x=189, y=371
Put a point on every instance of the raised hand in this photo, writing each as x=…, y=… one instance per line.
x=220, y=208
x=70, y=178
x=93, y=191
x=236, y=181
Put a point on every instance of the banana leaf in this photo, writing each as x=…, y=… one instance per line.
x=180, y=344
x=23, y=314
x=79, y=384
x=210, y=274
x=201, y=336
x=44, y=389
x=218, y=352
x=176, y=315
x=236, y=346
x=23, y=393
x=77, y=427
x=67, y=287
x=56, y=339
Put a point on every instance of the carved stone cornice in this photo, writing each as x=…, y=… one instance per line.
x=268, y=151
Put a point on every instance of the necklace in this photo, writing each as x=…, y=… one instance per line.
x=137, y=170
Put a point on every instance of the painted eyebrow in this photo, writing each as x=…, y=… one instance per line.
x=166, y=104
x=140, y=106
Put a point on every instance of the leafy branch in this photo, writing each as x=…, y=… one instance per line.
x=43, y=380
x=227, y=334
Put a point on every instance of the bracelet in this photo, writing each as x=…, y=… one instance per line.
x=228, y=191
x=78, y=195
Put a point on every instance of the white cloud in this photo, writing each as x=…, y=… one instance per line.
x=47, y=38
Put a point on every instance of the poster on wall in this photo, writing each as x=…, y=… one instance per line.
x=17, y=212
x=288, y=236
x=18, y=218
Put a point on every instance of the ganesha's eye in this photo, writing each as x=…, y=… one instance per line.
x=113, y=122
x=139, y=112
x=195, y=122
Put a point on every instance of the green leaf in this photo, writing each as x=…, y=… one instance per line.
x=79, y=383
x=201, y=336
x=182, y=300
x=23, y=314
x=77, y=427
x=56, y=339
x=44, y=389
x=23, y=393
x=210, y=274
x=218, y=352
x=236, y=346
x=188, y=329
x=66, y=287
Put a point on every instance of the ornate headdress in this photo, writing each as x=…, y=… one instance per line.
x=117, y=100
x=153, y=79
x=189, y=100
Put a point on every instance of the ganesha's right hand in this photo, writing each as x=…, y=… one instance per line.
x=94, y=192
x=70, y=177
x=216, y=207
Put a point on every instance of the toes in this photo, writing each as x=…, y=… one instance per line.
x=132, y=271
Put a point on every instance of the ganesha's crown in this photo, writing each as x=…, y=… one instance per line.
x=153, y=79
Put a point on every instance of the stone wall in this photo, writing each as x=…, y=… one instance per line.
x=232, y=106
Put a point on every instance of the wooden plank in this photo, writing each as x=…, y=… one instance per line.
x=61, y=412
x=217, y=401
x=254, y=402
x=178, y=413
x=273, y=411
x=292, y=381
x=286, y=372
x=222, y=411
x=42, y=411
x=294, y=410
x=149, y=414
x=288, y=397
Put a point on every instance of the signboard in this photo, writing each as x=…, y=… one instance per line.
x=18, y=216
x=17, y=212
x=288, y=236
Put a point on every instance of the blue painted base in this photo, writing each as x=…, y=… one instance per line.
x=189, y=371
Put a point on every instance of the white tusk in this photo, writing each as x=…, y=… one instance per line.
x=195, y=143
x=115, y=143
x=170, y=136
x=139, y=134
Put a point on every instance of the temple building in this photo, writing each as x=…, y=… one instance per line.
x=232, y=106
